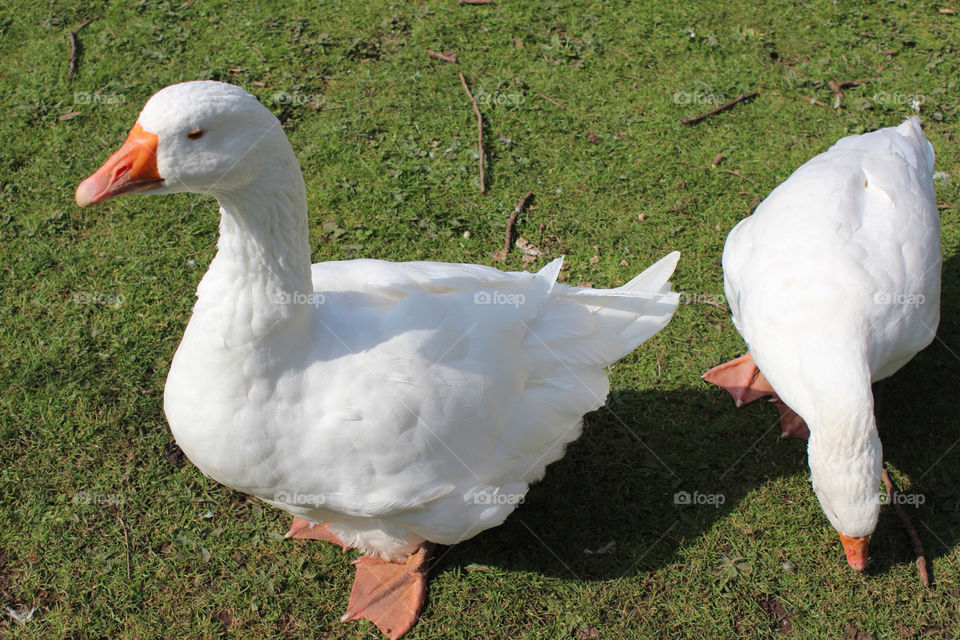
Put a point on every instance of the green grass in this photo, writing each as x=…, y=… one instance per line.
x=95, y=302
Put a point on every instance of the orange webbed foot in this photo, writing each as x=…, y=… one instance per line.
x=744, y=381
x=741, y=378
x=389, y=594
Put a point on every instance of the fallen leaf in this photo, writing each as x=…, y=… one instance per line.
x=528, y=248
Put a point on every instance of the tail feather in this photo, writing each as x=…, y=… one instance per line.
x=578, y=333
x=656, y=277
x=600, y=326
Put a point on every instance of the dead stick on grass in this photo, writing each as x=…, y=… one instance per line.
x=476, y=110
x=73, y=48
x=723, y=107
x=511, y=222
x=549, y=99
x=908, y=526
x=709, y=302
x=476, y=1
x=734, y=172
x=446, y=56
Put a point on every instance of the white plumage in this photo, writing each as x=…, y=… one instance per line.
x=834, y=283
x=398, y=402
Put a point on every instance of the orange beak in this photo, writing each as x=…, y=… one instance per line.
x=856, y=550
x=132, y=168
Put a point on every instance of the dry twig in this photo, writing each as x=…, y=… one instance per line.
x=723, y=107
x=738, y=174
x=838, y=87
x=476, y=110
x=908, y=527
x=511, y=222
x=476, y=1
x=73, y=47
x=812, y=101
x=445, y=56
x=549, y=99
x=722, y=307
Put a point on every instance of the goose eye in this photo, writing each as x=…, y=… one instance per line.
x=196, y=133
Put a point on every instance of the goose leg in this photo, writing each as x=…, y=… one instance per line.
x=305, y=529
x=791, y=425
x=743, y=380
x=389, y=594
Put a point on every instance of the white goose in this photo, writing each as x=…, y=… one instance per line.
x=385, y=405
x=834, y=283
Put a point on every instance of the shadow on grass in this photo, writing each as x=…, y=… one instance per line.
x=621, y=481
x=651, y=470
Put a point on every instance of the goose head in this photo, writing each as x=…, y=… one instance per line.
x=202, y=137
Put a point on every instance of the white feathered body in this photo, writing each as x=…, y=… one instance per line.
x=412, y=401
x=396, y=402
x=834, y=282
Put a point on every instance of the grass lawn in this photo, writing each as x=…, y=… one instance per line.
x=109, y=533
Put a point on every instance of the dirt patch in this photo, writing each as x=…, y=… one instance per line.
x=779, y=617
x=852, y=633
